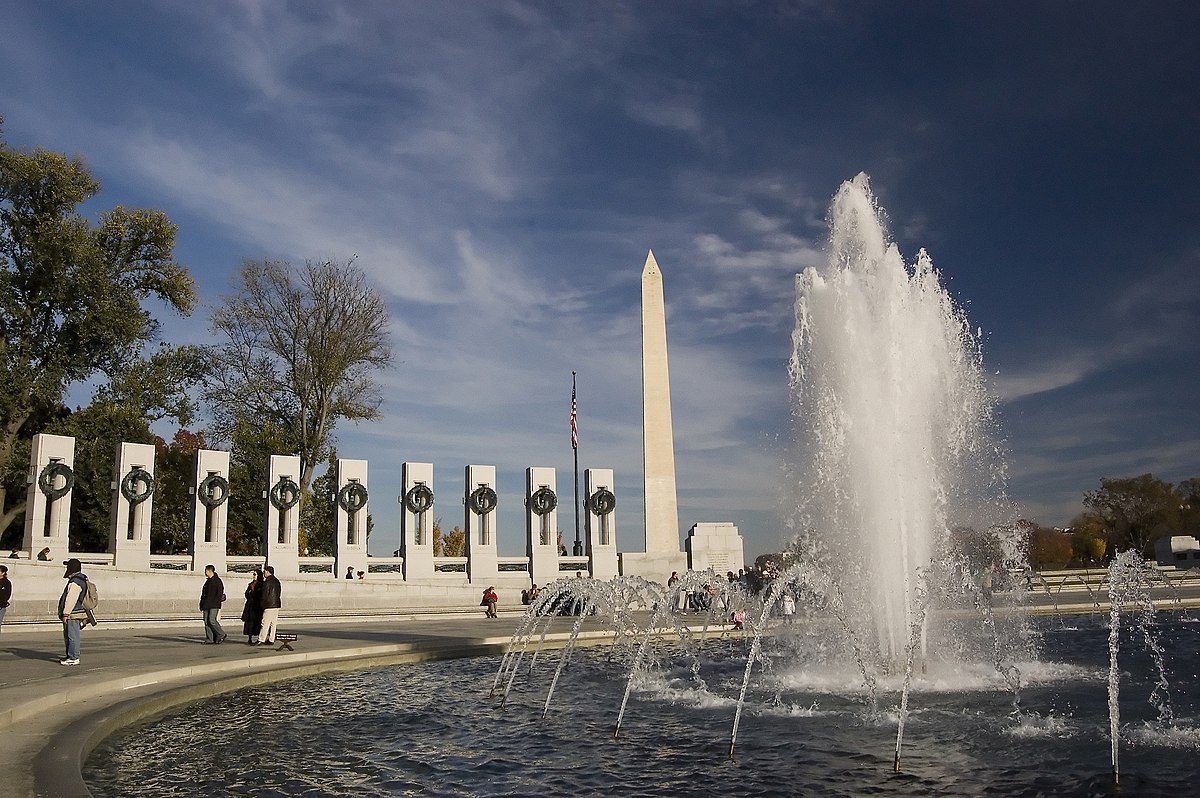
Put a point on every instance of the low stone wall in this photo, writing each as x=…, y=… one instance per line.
x=37, y=587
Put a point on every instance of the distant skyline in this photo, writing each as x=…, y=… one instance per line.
x=500, y=170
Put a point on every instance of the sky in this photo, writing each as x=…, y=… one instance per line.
x=501, y=169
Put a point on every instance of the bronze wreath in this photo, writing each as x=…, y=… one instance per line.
x=543, y=501
x=47, y=478
x=602, y=502
x=352, y=497
x=213, y=490
x=286, y=494
x=418, y=499
x=483, y=500
x=129, y=485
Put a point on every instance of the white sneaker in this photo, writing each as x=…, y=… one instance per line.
x=68, y=662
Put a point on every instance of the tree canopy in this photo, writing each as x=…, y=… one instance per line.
x=71, y=292
x=299, y=350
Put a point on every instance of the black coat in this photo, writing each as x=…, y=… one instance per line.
x=213, y=593
x=252, y=612
x=271, y=593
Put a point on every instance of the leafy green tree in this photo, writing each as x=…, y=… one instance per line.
x=98, y=430
x=317, y=519
x=249, y=467
x=1136, y=511
x=299, y=350
x=71, y=292
x=1089, y=539
x=174, y=475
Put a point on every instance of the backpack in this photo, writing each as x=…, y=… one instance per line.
x=91, y=596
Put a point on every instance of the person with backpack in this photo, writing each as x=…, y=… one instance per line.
x=70, y=609
x=211, y=598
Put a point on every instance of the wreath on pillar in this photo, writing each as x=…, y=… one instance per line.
x=137, y=486
x=285, y=495
x=543, y=501
x=602, y=502
x=50, y=475
x=483, y=500
x=213, y=490
x=418, y=499
x=352, y=497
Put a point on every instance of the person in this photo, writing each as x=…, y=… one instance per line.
x=5, y=592
x=489, y=600
x=70, y=608
x=533, y=593
x=212, y=595
x=349, y=571
x=272, y=602
x=789, y=607
x=362, y=575
x=252, y=613
x=44, y=554
x=16, y=554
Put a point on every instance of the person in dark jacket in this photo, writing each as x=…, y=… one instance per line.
x=272, y=602
x=252, y=613
x=70, y=609
x=5, y=592
x=212, y=595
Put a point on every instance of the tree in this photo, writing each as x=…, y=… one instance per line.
x=1089, y=539
x=251, y=447
x=1136, y=511
x=1048, y=548
x=299, y=351
x=453, y=544
x=174, y=474
x=71, y=291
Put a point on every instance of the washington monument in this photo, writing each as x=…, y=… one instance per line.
x=658, y=439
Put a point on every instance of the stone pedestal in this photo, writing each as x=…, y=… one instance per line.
x=210, y=510
x=718, y=546
x=416, y=520
x=47, y=519
x=350, y=508
x=601, y=522
x=541, y=528
x=281, y=537
x=132, y=506
x=479, y=524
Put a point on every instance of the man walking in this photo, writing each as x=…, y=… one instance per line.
x=5, y=592
x=70, y=609
x=211, y=597
x=271, y=603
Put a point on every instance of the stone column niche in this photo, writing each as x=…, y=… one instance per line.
x=48, y=501
x=210, y=509
x=541, y=525
x=715, y=545
x=281, y=537
x=416, y=520
x=480, y=501
x=132, y=506
x=350, y=537
x=601, y=522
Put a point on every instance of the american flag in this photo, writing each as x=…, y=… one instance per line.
x=574, y=414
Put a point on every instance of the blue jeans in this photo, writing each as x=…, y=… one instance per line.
x=2, y=611
x=212, y=626
x=71, y=638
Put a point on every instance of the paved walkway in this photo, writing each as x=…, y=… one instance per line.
x=52, y=716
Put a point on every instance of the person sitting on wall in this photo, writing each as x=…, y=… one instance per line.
x=349, y=571
x=490, y=599
x=44, y=554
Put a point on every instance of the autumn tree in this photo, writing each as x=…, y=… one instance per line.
x=448, y=544
x=1048, y=548
x=71, y=293
x=1089, y=538
x=299, y=351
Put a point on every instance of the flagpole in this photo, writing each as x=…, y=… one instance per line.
x=575, y=447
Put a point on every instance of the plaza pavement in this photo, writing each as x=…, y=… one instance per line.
x=52, y=716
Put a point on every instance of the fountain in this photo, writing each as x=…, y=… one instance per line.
x=910, y=581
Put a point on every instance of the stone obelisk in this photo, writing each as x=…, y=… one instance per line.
x=658, y=438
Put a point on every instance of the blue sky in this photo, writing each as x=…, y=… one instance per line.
x=500, y=169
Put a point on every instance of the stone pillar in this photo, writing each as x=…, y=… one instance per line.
x=210, y=510
x=48, y=501
x=350, y=535
x=541, y=525
x=718, y=546
x=601, y=522
x=416, y=520
x=479, y=523
x=281, y=537
x=132, y=506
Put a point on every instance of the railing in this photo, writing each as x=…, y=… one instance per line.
x=456, y=565
x=512, y=564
